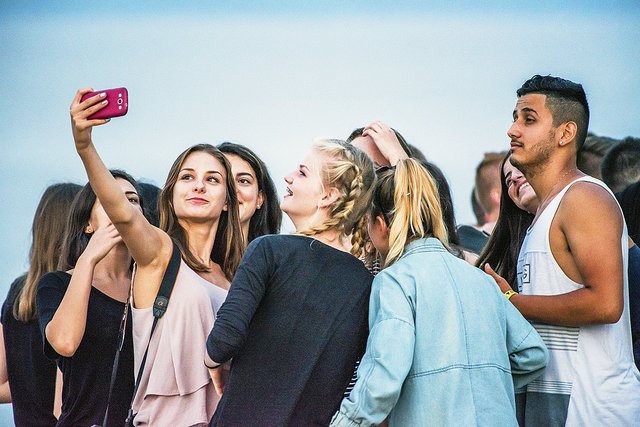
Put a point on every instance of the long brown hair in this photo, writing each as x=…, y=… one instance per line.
x=228, y=246
x=47, y=233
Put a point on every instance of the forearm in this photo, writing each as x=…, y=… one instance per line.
x=114, y=201
x=5, y=392
x=65, y=330
x=381, y=374
x=575, y=308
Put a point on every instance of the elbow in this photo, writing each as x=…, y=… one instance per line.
x=63, y=345
x=611, y=314
x=64, y=348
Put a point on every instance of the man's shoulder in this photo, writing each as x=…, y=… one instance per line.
x=589, y=198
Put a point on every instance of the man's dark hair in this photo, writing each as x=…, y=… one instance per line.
x=565, y=99
x=621, y=165
x=403, y=142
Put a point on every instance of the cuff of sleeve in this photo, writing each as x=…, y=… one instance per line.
x=342, y=420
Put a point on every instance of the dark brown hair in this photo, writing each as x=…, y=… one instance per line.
x=266, y=220
x=228, y=246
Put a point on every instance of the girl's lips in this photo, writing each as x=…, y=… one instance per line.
x=198, y=200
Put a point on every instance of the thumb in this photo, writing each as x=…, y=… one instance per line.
x=489, y=270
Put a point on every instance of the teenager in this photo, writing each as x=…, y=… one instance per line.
x=295, y=320
x=199, y=215
x=258, y=205
x=445, y=347
x=81, y=307
x=30, y=375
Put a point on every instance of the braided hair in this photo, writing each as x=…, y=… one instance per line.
x=351, y=172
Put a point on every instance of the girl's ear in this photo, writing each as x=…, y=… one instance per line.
x=381, y=223
x=260, y=200
x=329, y=197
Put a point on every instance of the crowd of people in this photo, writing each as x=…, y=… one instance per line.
x=185, y=306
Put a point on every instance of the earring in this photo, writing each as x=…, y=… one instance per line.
x=88, y=229
x=258, y=207
x=561, y=142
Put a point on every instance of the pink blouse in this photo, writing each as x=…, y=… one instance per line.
x=176, y=389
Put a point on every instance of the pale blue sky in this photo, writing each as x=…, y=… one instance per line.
x=274, y=75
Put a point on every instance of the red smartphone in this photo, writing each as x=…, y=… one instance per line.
x=118, y=103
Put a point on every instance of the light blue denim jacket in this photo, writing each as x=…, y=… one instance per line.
x=445, y=347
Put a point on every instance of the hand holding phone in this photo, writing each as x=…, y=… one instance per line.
x=117, y=103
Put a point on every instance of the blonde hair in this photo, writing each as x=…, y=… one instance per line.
x=351, y=172
x=407, y=198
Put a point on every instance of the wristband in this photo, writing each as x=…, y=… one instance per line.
x=510, y=293
x=212, y=367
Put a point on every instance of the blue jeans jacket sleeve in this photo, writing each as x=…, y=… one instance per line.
x=527, y=353
x=388, y=357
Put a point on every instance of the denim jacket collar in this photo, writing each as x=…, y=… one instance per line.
x=425, y=244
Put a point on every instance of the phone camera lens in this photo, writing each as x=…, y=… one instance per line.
x=120, y=101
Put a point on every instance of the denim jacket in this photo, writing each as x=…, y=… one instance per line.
x=445, y=347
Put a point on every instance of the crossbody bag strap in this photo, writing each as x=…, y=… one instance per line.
x=159, y=309
x=116, y=360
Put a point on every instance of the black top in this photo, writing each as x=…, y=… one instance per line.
x=472, y=239
x=295, y=323
x=86, y=374
x=32, y=376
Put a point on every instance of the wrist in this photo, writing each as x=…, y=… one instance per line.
x=86, y=260
x=214, y=366
x=510, y=293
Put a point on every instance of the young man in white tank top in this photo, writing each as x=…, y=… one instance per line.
x=571, y=269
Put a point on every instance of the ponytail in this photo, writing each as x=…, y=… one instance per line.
x=413, y=207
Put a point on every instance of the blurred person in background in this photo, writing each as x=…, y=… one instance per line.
x=28, y=378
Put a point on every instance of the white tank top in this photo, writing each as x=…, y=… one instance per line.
x=593, y=364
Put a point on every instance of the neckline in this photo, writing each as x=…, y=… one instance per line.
x=322, y=243
x=100, y=293
x=553, y=199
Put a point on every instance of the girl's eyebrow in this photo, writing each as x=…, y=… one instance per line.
x=193, y=170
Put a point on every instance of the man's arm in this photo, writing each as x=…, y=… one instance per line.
x=589, y=223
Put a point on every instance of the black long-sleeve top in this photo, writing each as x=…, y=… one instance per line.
x=295, y=323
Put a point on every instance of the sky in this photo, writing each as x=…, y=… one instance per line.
x=274, y=75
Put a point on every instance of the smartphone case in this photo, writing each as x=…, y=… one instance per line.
x=118, y=103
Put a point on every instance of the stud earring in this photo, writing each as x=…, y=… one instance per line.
x=88, y=229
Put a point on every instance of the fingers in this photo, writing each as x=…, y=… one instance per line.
x=79, y=93
x=500, y=281
x=80, y=112
x=489, y=270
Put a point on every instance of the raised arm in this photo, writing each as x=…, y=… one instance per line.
x=591, y=223
x=386, y=140
x=145, y=242
x=66, y=328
